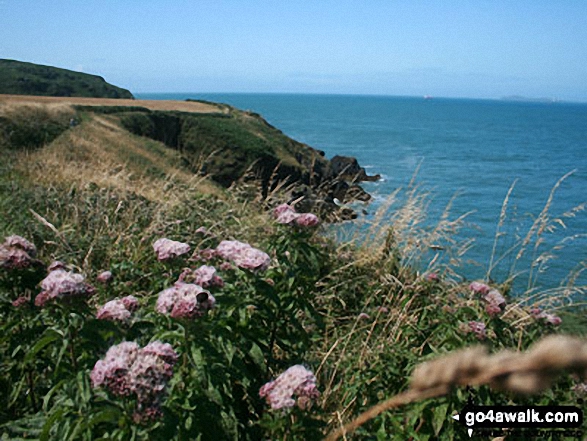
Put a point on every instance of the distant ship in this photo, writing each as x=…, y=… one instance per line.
x=427, y=97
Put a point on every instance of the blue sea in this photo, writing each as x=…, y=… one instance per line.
x=472, y=149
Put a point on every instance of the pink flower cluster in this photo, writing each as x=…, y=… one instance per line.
x=118, y=309
x=243, y=255
x=167, y=249
x=286, y=214
x=548, y=318
x=104, y=277
x=16, y=253
x=205, y=276
x=129, y=370
x=64, y=285
x=185, y=300
x=479, y=329
x=298, y=381
x=495, y=300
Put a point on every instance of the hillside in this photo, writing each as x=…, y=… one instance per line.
x=142, y=298
x=214, y=140
x=21, y=78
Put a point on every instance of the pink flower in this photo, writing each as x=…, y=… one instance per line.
x=17, y=253
x=363, y=316
x=104, y=277
x=286, y=214
x=479, y=329
x=131, y=303
x=243, y=255
x=15, y=241
x=61, y=284
x=162, y=350
x=307, y=220
x=55, y=265
x=432, y=277
x=118, y=310
x=185, y=300
x=295, y=381
x=479, y=288
x=112, y=371
x=492, y=309
x=204, y=276
x=20, y=302
x=167, y=249
x=494, y=296
x=129, y=370
x=113, y=310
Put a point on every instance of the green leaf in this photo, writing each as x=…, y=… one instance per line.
x=49, y=336
x=49, y=424
x=257, y=356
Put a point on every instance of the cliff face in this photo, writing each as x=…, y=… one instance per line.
x=20, y=78
x=229, y=144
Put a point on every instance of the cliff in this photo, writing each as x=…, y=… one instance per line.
x=218, y=141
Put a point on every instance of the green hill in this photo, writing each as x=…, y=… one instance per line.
x=20, y=78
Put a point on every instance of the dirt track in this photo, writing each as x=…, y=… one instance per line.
x=183, y=106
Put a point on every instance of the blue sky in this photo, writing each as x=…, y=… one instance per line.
x=480, y=49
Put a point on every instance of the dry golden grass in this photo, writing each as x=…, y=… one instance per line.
x=183, y=106
x=100, y=152
x=525, y=373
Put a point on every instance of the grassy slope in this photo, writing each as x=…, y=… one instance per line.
x=21, y=78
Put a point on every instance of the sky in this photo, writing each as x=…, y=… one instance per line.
x=476, y=49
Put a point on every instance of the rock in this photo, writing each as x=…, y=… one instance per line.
x=347, y=167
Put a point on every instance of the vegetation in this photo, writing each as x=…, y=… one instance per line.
x=20, y=78
x=360, y=315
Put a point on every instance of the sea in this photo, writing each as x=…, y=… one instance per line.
x=468, y=153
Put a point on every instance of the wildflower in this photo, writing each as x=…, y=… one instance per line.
x=167, y=249
x=363, y=316
x=55, y=265
x=552, y=319
x=17, y=253
x=20, y=302
x=307, y=220
x=538, y=314
x=131, y=303
x=112, y=371
x=118, y=310
x=298, y=381
x=243, y=255
x=492, y=309
x=185, y=300
x=113, y=310
x=62, y=284
x=104, y=277
x=286, y=214
x=479, y=288
x=202, y=230
x=479, y=329
x=432, y=277
x=580, y=389
x=495, y=302
x=143, y=372
x=205, y=276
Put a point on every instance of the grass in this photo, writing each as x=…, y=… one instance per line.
x=361, y=313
